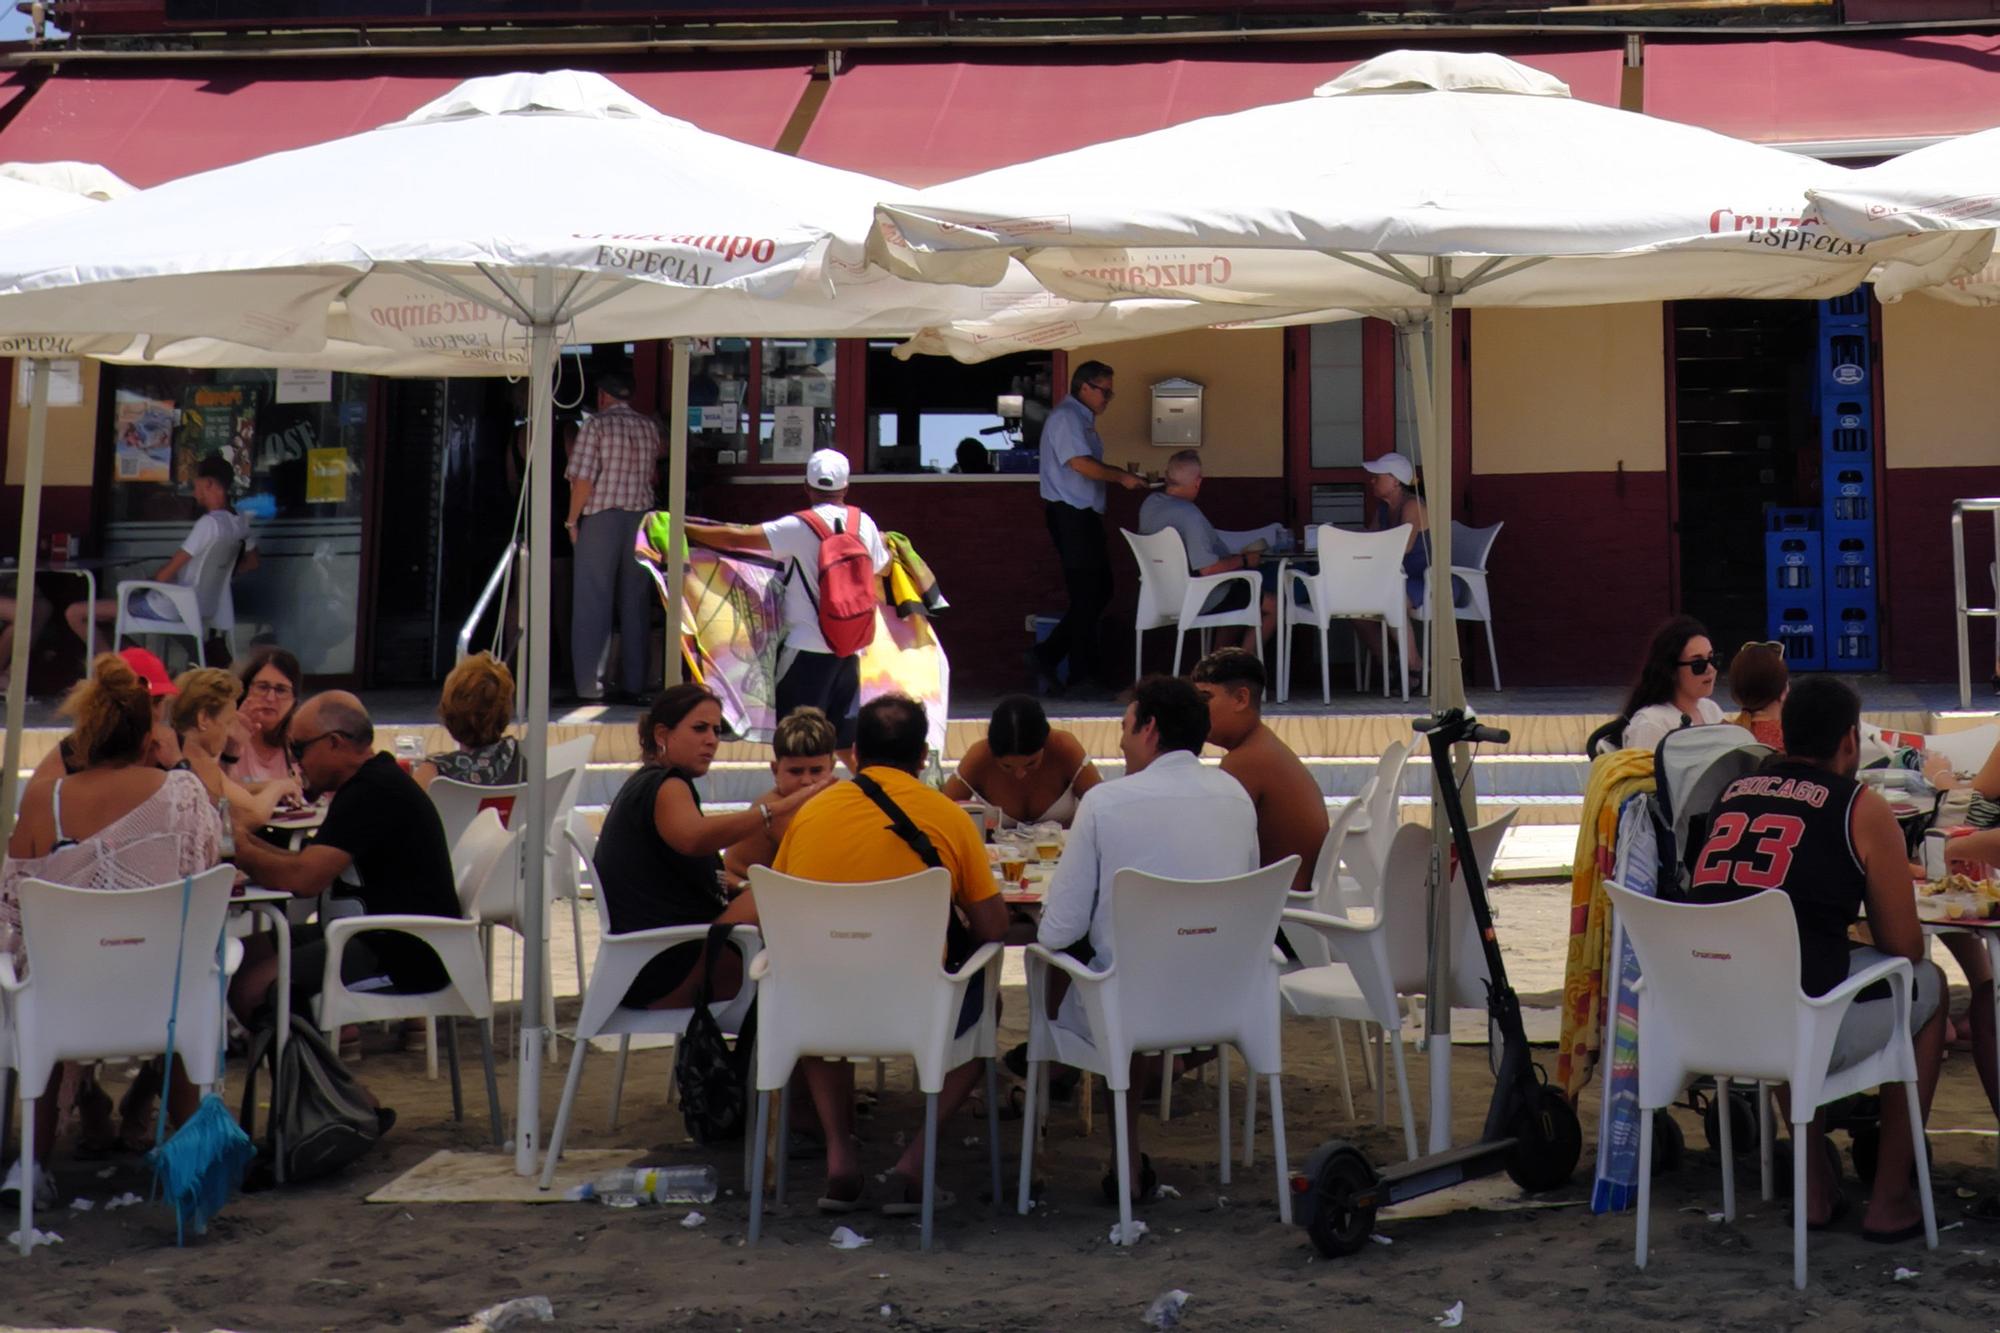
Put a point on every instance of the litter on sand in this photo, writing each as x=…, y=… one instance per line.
x=846, y=1238
x=1127, y=1235
x=1379, y=1238
x=1451, y=1318
x=81, y=1205
x=125, y=1200
x=107, y=1173
x=693, y=1220
x=1165, y=1192
x=520, y=1311
x=1165, y=1311
x=36, y=1236
x=1905, y=1274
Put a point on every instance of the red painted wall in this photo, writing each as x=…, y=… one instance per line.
x=1916, y=594
x=1579, y=574
x=987, y=545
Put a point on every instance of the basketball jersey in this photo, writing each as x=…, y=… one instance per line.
x=1787, y=828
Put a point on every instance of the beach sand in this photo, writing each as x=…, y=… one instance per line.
x=318, y=1257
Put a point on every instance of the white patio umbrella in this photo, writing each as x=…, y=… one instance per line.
x=1418, y=179
x=510, y=215
x=1950, y=188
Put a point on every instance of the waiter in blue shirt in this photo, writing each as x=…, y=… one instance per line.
x=1073, y=479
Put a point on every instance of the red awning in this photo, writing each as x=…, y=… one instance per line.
x=1856, y=90
x=922, y=121
x=150, y=126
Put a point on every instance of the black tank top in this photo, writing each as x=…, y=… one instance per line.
x=1787, y=828
x=646, y=883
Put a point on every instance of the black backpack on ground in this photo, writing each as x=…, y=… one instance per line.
x=713, y=1077
x=318, y=1111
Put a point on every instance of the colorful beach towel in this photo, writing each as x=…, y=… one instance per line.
x=910, y=586
x=1614, y=778
x=1637, y=868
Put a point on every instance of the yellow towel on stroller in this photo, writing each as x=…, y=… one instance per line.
x=1613, y=779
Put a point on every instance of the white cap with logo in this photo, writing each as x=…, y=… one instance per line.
x=826, y=470
x=1395, y=465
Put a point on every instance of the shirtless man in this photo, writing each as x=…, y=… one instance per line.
x=1291, y=809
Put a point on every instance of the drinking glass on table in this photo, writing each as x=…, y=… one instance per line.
x=1014, y=851
x=1048, y=843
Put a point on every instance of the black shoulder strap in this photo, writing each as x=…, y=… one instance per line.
x=900, y=823
x=718, y=936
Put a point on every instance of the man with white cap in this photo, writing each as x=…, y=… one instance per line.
x=810, y=670
x=1396, y=503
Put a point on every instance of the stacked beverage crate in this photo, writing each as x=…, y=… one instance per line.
x=1794, y=587
x=1851, y=637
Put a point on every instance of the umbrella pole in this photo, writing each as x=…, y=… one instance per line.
x=533, y=848
x=677, y=485
x=24, y=592
x=1447, y=691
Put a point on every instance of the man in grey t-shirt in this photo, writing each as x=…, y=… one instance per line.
x=1174, y=507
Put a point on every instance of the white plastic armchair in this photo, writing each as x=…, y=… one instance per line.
x=458, y=803
x=1719, y=994
x=455, y=940
x=1330, y=895
x=99, y=981
x=1170, y=596
x=563, y=873
x=1360, y=577
x=1967, y=750
x=203, y=605
x=1193, y=967
x=852, y=971
x=620, y=959
x=1471, y=553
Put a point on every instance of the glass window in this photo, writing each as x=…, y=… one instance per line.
x=933, y=415
x=719, y=398
x=299, y=445
x=1336, y=394
x=797, y=397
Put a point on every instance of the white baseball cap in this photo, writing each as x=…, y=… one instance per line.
x=1394, y=465
x=826, y=470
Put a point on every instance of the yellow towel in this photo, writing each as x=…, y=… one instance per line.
x=1614, y=778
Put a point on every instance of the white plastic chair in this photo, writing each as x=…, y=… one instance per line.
x=1360, y=577
x=852, y=971
x=1170, y=596
x=1968, y=750
x=1719, y=994
x=1471, y=550
x=563, y=873
x=100, y=978
x=1382, y=810
x=203, y=605
x=465, y=994
x=620, y=958
x=459, y=802
x=1193, y=967
x=1330, y=896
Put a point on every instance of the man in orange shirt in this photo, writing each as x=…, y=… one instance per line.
x=842, y=836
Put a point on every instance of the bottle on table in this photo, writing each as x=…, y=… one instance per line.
x=632, y=1185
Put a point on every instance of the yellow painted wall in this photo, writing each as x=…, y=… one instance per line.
x=72, y=435
x=1243, y=407
x=1940, y=384
x=1572, y=390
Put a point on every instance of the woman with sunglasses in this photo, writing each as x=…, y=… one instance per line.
x=1674, y=686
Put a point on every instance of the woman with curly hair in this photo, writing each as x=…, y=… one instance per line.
x=476, y=705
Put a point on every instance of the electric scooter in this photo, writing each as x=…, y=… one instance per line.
x=1531, y=1130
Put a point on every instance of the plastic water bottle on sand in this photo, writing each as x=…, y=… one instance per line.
x=630, y=1186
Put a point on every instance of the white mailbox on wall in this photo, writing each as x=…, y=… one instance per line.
x=1177, y=414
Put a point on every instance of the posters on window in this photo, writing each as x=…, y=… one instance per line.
x=143, y=439
x=791, y=434
x=326, y=476
x=217, y=419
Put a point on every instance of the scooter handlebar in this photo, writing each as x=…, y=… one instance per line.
x=1476, y=732
x=1472, y=731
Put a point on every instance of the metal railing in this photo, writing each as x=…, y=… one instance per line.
x=1964, y=612
x=497, y=585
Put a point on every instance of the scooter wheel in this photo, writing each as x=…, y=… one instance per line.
x=1669, y=1143
x=1548, y=1143
x=1340, y=1225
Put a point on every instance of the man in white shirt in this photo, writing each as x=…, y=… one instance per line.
x=214, y=479
x=1169, y=815
x=809, y=673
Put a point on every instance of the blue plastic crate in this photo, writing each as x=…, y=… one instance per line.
x=1853, y=632
x=1793, y=520
x=1848, y=310
x=1849, y=491
x=1845, y=427
x=1793, y=565
x=1850, y=563
x=1845, y=366
x=1799, y=625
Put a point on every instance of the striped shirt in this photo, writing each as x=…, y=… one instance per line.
x=616, y=452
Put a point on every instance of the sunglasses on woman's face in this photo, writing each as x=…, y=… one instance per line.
x=1701, y=666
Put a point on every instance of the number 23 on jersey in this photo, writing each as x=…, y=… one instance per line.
x=1760, y=863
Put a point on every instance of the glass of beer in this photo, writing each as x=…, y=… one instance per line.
x=1048, y=842
x=1013, y=859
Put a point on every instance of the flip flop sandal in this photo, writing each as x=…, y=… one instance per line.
x=1149, y=1183
x=833, y=1203
x=907, y=1196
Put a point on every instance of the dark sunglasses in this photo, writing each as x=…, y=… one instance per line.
x=1701, y=666
x=1773, y=644
x=299, y=748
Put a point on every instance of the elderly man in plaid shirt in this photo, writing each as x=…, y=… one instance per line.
x=611, y=475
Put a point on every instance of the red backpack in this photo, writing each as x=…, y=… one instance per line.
x=846, y=600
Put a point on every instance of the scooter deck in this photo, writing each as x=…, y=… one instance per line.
x=1438, y=1171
